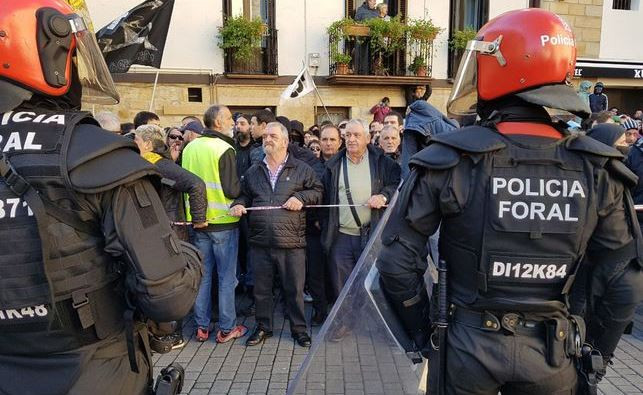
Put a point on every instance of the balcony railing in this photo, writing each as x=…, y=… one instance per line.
x=413, y=59
x=264, y=62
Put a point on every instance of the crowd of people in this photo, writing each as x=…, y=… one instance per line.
x=243, y=189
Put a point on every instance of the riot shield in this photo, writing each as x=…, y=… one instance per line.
x=361, y=348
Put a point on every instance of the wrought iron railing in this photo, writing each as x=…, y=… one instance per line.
x=263, y=62
x=366, y=60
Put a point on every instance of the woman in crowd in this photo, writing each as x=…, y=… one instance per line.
x=176, y=181
x=174, y=141
x=315, y=146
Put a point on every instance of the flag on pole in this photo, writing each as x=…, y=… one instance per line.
x=301, y=86
x=136, y=37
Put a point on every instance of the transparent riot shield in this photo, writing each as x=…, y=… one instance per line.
x=361, y=348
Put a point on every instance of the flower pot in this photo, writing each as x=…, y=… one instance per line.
x=341, y=68
x=357, y=30
x=421, y=71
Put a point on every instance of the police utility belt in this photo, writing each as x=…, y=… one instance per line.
x=561, y=334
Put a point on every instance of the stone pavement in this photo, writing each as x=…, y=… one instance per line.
x=232, y=368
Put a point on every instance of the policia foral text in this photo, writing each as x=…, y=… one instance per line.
x=521, y=205
x=86, y=246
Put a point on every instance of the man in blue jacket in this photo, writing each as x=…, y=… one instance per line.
x=422, y=122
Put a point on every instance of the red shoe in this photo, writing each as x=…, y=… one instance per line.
x=202, y=334
x=236, y=332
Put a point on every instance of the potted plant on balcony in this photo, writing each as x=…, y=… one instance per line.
x=418, y=66
x=461, y=38
x=338, y=30
x=386, y=36
x=422, y=30
x=341, y=61
x=242, y=36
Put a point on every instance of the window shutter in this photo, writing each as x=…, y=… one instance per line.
x=402, y=9
x=350, y=9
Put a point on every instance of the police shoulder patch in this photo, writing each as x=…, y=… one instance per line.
x=592, y=146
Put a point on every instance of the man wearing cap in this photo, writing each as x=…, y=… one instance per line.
x=191, y=130
x=631, y=131
x=598, y=100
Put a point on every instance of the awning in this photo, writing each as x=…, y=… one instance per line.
x=587, y=68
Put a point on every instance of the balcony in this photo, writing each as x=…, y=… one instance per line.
x=381, y=52
x=260, y=63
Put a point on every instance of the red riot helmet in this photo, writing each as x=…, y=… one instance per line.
x=529, y=53
x=45, y=47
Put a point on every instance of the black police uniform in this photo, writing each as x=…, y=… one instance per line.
x=85, y=242
x=517, y=213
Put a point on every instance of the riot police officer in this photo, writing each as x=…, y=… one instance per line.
x=86, y=247
x=521, y=203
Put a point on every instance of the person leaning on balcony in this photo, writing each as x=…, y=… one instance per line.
x=366, y=11
x=382, y=9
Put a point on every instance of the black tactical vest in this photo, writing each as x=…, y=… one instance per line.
x=58, y=289
x=526, y=215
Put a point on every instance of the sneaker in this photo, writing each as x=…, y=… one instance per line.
x=202, y=334
x=307, y=297
x=236, y=332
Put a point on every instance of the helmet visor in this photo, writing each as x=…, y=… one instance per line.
x=95, y=79
x=464, y=94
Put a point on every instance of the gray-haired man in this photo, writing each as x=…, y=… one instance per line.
x=278, y=237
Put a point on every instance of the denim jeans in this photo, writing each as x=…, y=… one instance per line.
x=219, y=250
x=342, y=260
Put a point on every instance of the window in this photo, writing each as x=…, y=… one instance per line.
x=249, y=9
x=249, y=110
x=622, y=5
x=395, y=7
x=195, y=95
x=265, y=60
x=337, y=114
x=465, y=13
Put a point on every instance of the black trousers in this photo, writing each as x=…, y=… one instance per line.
x=485, y=363
x=316, y=272
x=291, y=266
x=615, y=291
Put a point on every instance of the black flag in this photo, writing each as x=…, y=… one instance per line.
x=136, y=37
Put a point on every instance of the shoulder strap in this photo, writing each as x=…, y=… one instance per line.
x=349, y=196
x=446, y=149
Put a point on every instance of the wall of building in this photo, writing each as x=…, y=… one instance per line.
x=498, y=7
x=171, y=102
x=585, y=18
x=621, y=32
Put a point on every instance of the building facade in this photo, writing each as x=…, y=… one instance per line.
x=195, y=72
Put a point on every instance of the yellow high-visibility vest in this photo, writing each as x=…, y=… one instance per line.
x=201, y=157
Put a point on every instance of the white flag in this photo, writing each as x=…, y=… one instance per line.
x=301, y=86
